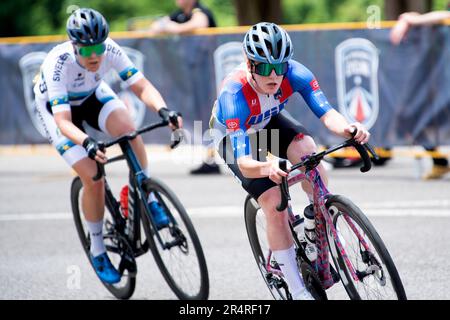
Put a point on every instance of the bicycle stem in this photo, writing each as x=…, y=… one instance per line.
x=127, y=137
x=312, y=161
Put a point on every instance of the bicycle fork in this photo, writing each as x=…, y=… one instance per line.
x=367, y=256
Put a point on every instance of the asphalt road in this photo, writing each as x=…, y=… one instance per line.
x=40, y=253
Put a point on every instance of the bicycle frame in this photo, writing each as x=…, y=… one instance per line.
x=137, y=190
x=137, y=193
x=320, y=193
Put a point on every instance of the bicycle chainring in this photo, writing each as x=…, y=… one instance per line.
x=312, y=281
x=123, y=248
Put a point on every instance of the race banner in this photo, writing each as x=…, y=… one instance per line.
x=357, y=81
x=399, y=92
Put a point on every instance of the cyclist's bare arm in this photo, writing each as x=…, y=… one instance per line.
x=426, y=18
x=251, y=168
x=198, y=20
x=165, y=25
x=148, y=94
x=336, y=123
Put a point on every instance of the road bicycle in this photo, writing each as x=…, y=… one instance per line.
x=360, y=259
x=175, y=248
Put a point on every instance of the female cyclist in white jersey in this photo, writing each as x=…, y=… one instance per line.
x=71, y=90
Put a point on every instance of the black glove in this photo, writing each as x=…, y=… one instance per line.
x=91, y=147
x=169, y=116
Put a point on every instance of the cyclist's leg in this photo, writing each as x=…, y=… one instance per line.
x=266, y=192
x=76, y=157
x=281, y=243
x=93, y=197
x=114, y=119
x=300, y=146
x=93, y=192
x=293, y=143
x=279, y=237
x=119, y=122
x=278, y=233
x=92, y=203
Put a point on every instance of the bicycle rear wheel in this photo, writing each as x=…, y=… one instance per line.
x=255, y=224
x=378, y=276
x=183, y=265
x=115, y=244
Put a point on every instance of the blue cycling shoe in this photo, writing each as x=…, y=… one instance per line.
x=104, y=269
x=159, y=214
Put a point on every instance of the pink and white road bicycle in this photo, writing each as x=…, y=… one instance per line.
x=360, y=260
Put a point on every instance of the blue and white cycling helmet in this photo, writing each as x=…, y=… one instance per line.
x=87, y=27
x=268, y=43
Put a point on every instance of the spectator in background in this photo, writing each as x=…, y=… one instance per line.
x=398, y=33
x=190, y=16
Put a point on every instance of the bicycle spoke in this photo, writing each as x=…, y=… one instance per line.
x=369, y=287
x=178, y=256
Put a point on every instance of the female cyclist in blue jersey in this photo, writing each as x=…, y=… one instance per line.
x=249, y=113
x=71, y=90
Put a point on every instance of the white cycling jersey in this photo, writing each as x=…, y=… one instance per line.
x=65, y=85
x=64, y=82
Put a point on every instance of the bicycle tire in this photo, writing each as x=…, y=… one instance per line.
x=346, y=206
x=251, y=208
x=126, y=289
x=169, y=198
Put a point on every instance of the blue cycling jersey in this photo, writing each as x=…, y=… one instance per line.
x=240, y=109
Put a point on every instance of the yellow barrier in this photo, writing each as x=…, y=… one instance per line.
x=205, y=31
x=352, y=153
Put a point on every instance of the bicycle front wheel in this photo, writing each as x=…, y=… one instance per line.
x=181, y=261
x=377, y=276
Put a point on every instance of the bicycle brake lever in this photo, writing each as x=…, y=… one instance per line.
x=284, y=188
x=100, y=167
x=367, y=164
x=176, y=142
x=372, y=151
x=100, y=171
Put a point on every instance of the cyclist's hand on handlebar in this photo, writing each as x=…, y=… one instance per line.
x=173, y=117
x=94, y=150
x=275, y=173
x=358, y=132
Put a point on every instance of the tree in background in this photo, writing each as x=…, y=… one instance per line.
x=393, y=9
x=18, y=17
x=43, y=17
x=250, y=12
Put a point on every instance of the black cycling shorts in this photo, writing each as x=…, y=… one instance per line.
x=88, y=111
x=275, y=138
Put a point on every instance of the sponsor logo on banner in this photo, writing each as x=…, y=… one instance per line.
x=30, y=65
x=227, y=57
x=135, y=106
x=357, y=80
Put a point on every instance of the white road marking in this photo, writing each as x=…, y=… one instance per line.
x=424, y=208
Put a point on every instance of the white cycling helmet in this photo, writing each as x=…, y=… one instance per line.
x=268, y=43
